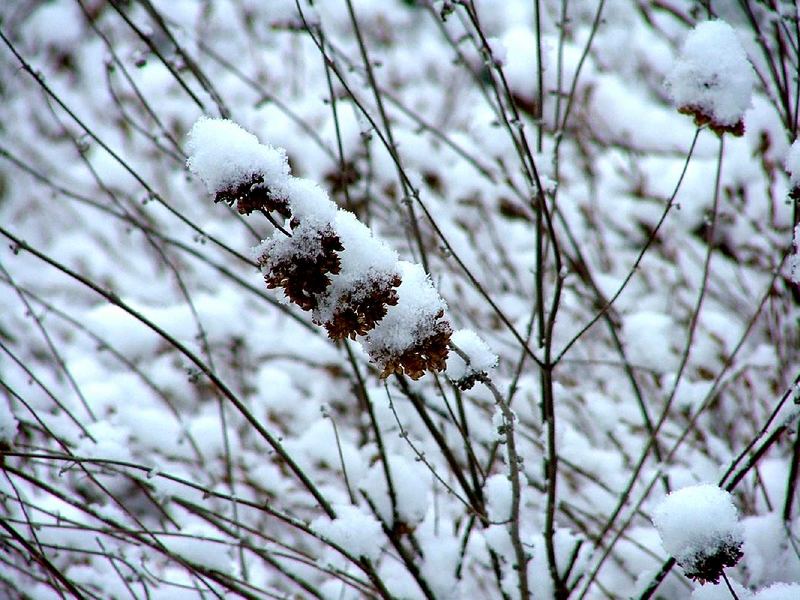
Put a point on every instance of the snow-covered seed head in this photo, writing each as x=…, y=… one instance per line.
x=236, y=167
x=303, y=264
x=428, y=354
x=712, y=80
x=359, y=310
x=699, y=526
x=414, y=336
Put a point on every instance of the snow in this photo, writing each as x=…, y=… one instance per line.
x=411, y=484
x=481, y=358
x=224, y=155
x=161, y=244
x=792, y=164
x=721, y=592
x=779, y=591
x=497, y=490
x=353, y=530
x=698, y=522
x=712, y=74
x=197, y=544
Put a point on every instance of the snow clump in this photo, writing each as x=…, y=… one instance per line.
x=352, y=530
x=480, y=359
x=235, y=166
x=699, y=526
x=792, y=165
x=712, y=78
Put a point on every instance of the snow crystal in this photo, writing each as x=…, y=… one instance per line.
x=712, y=75
x=698, y=523
x=224, y=155
x=792, y=164
x=353, y=530
x=417, y=310
x=481, y=357
x=410, y=482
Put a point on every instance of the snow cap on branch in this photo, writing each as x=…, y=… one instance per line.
x=481, y=359
x=699, y=526
x=235, y=166
x=712, y=79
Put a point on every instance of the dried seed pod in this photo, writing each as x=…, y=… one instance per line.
x=302, y=264
x=414, y=335
x=359, y=310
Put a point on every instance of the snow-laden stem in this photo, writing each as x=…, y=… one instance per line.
x=514, y=474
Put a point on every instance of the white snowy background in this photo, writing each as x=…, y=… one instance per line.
x=621, y=281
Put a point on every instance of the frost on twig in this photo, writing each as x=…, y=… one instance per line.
x=712, y=79
x=327, y=262
x=699, y=526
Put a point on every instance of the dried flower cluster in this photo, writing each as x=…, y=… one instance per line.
x=330, y=263
x=701, y=118
x=712, y=80
x=252, y=195
x=707, y=565
x=699, y=525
